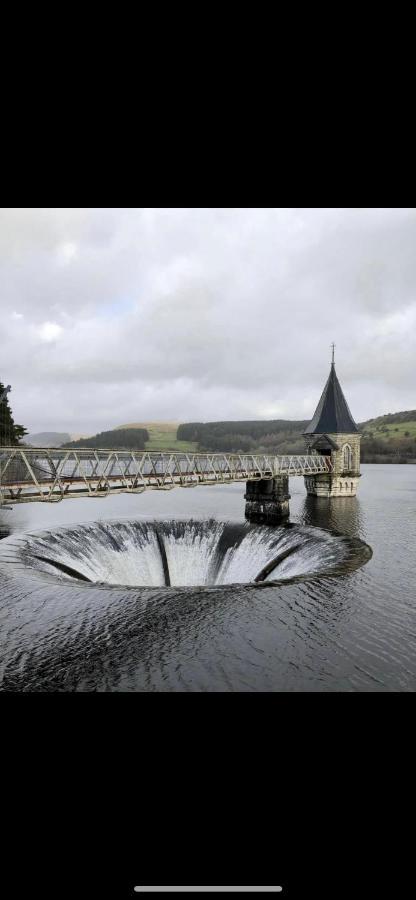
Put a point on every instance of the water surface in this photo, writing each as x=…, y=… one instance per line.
x=308, y=631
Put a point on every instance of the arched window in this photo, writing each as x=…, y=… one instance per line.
x=348, y=458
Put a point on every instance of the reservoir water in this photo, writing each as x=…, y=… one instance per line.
x=174, y=592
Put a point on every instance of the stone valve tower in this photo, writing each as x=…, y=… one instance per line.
x=334, y=434
x=333, y=459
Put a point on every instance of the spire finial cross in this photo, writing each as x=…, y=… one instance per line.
x=333, y=353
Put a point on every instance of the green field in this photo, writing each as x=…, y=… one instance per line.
x=163, y=436
x=398, y=430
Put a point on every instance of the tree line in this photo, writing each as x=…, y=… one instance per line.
x=246, y=437
x=11, y=434
x=285, y=437
x=120, y=439
x=395, y=449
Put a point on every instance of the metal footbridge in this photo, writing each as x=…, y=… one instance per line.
x=49, y=476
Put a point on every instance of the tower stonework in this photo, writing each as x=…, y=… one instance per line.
x=268, y=501
x=334, y=434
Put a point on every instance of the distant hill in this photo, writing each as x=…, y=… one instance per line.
x=167, y=427
x=276, y=436
x=392, y=424
x=119, y=439
x=390, y=438
x=395, y=418
x=164, y=436
x=47, y=439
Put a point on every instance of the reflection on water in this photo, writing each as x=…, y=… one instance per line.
x=355, y=632
x=342, y=514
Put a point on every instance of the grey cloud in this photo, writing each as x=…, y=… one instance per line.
x=184, y=313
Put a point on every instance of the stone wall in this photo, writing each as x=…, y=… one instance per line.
x=343, y=482
x=268, y=501
x=354, y=441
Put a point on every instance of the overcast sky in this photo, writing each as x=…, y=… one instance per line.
x=114, y=315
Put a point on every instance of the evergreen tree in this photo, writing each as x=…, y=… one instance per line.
x=10, y=433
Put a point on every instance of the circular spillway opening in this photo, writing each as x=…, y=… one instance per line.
x=182, y=554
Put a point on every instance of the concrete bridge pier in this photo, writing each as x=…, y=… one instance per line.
x=268, y=501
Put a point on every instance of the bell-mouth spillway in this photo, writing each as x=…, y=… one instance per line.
x=180, y=554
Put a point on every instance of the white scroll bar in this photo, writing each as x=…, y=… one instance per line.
x=208, y=890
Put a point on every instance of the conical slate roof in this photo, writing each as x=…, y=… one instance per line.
x=332, y=415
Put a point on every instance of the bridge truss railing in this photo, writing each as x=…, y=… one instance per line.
x=28, y=475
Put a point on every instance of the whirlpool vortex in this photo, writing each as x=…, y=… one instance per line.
x=181, y=554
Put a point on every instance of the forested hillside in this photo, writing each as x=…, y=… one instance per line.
x=390, y=438
x=129, y=439
x=246, y=437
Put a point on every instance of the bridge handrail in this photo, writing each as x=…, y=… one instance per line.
x=30, y=474
x=107, y=451
x=54, y=452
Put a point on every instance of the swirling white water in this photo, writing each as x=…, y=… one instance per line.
x=183, y=553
